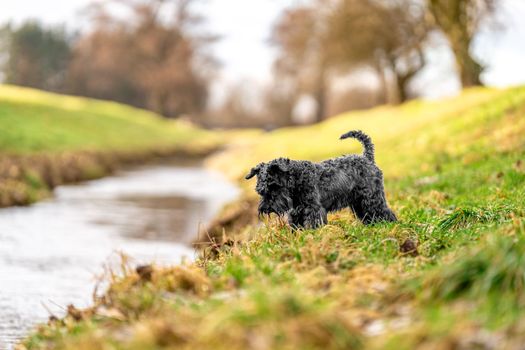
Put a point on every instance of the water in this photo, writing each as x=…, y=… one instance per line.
x=52, y=252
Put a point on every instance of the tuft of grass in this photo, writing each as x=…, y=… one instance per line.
x=464, y=217
x=494, y=268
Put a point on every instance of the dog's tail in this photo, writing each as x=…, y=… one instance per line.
x=368, y=153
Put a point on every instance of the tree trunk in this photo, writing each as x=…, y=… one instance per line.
x=399, y=83
x=468, y=68
x=382, y=97
x=320, y=97
x=402, y=88
x=402, y=79
x=453, y=19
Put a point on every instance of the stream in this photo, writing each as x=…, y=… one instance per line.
x=52, y=252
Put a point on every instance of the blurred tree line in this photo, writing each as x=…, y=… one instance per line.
x=323, y=39
x=38, y=57
x=158, y=56
x=154, y=57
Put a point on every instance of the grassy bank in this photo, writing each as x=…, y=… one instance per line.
x=449, y=275
x=48, y=139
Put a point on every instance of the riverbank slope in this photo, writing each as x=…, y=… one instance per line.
x=48, y=139
x=449, y=274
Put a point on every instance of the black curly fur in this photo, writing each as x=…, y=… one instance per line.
x=305, y=192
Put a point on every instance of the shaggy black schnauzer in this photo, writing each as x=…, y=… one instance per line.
x=305, y=192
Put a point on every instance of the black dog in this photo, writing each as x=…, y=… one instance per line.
x=306, y=191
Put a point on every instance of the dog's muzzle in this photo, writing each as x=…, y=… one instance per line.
x=280, y=206
x=265, y=209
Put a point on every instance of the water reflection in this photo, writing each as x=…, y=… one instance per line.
x=51, y=252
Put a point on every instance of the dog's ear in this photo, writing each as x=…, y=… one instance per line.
x=255, y=171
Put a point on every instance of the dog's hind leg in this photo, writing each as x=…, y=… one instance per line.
x=376, y=210
x=378, y=215
x=371, y=206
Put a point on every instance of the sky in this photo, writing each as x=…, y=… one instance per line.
x=246, y=55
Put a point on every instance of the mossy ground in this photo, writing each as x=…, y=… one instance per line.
x=449, y=275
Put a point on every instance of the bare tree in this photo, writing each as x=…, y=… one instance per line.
x=157, y=57
x=387, y=36
x=460, y=21
x=319, y=38
x=299, y=35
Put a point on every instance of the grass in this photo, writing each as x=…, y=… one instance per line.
x=48, y=139
x=455, y=176
x=33, y=121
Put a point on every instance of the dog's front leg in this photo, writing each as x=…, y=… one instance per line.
x=307, y=217
x=315, y=216
x=309, y=213
x=296, y=217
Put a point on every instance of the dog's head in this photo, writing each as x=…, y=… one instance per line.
x=274, y=185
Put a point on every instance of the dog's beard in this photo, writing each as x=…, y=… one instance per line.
x=280, y=205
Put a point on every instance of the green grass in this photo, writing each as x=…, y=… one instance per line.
x=455, y=176
x=33, y=121
x=48, y=139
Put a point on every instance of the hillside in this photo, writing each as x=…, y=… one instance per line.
x=47, y=139
x=410, y=139
x=37, y=121
x=450, y=274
